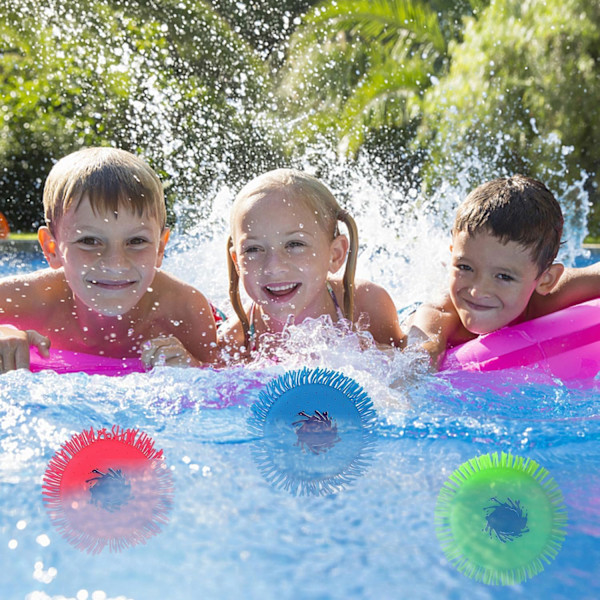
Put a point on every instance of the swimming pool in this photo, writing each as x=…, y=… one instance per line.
x=231, y=534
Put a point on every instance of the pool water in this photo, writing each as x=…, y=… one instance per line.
x=231, y=534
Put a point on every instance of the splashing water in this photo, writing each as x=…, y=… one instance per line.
x=404, y=235
x=231, y=534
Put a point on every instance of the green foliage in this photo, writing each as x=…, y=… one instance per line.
x=166, y=79
x=521, y=95
x=214, y=91
x=359, y=65
x=266, y=25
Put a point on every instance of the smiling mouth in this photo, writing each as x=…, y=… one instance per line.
x=474, y=306
x=281, y=290
x=111, y=285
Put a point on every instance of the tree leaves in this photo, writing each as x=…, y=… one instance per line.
x=355, y=65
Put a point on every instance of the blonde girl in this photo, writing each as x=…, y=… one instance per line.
x=286, y=249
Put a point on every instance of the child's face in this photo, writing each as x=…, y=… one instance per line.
x=490, y=282
x=109, y=260
x=283, y=256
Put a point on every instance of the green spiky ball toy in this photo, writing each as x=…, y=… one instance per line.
x=499, y=519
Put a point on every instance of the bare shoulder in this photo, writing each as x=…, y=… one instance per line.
x=230, y=334
x=366, y=294
x=434, y=326
x=441, y=305
x=184, y=312
x=374, y=302
x=33, y=296
x=44, y=279
x=439, y=320
x=179, y=301
x=433, y=314
x=367, y=291
x=172, y=289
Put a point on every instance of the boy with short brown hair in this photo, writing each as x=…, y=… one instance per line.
x=104, y=293
x=505, y=238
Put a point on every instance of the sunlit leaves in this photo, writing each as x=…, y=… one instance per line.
x=356, y=65
x=522, y=92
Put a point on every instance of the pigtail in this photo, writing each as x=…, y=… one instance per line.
x=234, y=294
x=350, y=270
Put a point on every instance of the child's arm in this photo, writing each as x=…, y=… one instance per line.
x=22, y=299
x=431, y=327
x=377, y=304
x=573, y=287
x=188, y=331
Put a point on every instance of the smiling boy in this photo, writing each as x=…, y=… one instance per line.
x=104, y=292
x=505, y=238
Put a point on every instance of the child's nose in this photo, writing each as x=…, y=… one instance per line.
x=479, y=288
x=275, y=262
x=114, y=259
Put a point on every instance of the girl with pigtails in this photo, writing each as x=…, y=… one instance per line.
x=286, y=250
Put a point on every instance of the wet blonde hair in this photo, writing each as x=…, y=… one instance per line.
x=110, y=178
x=298, y=187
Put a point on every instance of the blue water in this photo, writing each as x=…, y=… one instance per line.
x=233, y=535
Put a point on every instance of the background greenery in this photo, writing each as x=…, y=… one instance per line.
x=217, y=91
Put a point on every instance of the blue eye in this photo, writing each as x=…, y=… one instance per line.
x=462, y=267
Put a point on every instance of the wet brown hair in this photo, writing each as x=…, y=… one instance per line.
x=515, y=209
x=110, y=178
x=299, y=187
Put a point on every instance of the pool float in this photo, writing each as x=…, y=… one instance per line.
x=564, y=344
x=65, y=361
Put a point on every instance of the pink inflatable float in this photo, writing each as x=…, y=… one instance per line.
x=564, y=344
x=64, y=361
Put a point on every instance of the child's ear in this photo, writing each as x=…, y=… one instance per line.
x=49, y=247
x=164, y=238
x=338, y=252
x=233, y=255
x=549, y=278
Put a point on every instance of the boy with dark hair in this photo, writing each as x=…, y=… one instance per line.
x=505, y=238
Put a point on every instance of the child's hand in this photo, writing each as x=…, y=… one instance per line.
x=426, y=349
x=167, y=351
x=14, y=347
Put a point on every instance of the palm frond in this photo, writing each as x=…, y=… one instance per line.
x=389, y=96
x=366, y=60
x=383, y=21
